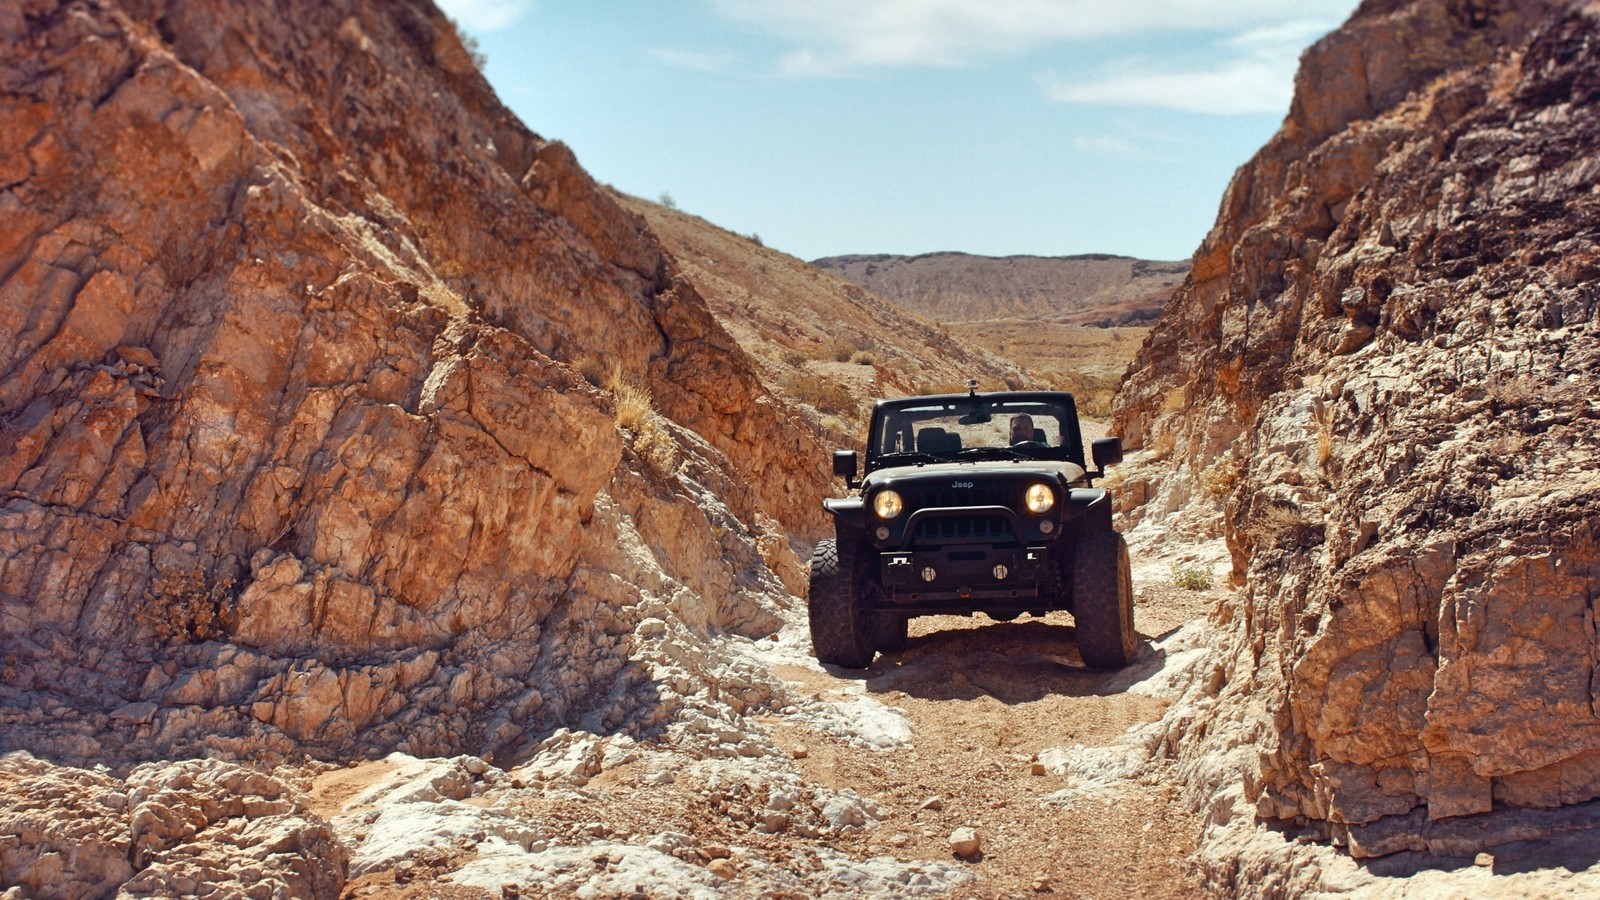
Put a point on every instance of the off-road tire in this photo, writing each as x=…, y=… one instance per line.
x=1102, y=594
x=894, y=631
x=842, y=632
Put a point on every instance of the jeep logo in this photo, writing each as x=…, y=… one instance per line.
x=962, y=484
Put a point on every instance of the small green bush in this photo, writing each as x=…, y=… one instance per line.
x=1191, y=578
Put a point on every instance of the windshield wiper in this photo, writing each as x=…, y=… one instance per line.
x=1002, y=452
x=907, y=455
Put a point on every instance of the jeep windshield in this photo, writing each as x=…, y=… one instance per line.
x=1040, y=425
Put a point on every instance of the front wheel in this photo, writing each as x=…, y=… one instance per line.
x=1102, y=595
x=842, y=632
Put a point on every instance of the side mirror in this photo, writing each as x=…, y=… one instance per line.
x=844, y=464
x=1106, y=451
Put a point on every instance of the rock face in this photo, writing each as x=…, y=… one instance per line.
x=295, y=455
x=1387, y=361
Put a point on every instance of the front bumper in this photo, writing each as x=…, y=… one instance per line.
x=965, y=577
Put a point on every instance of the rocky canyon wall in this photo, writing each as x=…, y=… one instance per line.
x=295, y=452
x=1387, y=362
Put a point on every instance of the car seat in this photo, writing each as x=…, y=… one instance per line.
x=938, y=442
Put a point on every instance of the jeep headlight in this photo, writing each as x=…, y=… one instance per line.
x=1039, y=499
x=887, y=504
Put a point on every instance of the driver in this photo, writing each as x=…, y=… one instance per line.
x=1021, y=429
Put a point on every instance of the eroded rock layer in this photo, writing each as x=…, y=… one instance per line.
x=296, y=452
x=1388, y=362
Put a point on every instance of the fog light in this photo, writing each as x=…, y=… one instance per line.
x=928, y=574
x=883, y=532
x=1046, y=527
x=1000, y=573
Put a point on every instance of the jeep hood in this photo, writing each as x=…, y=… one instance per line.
x=977, y=470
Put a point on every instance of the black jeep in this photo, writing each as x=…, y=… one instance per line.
x=972, y=502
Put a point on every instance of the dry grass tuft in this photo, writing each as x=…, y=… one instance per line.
x=594, y=369
x=634, y=404
x=647, y=430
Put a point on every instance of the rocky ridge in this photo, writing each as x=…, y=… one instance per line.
x=1381, y=373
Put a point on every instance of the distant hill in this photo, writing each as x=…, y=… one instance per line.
x=1088, y=289
x=816, y=339
x=1073, y=321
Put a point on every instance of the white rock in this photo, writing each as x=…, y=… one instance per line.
x=965, y=842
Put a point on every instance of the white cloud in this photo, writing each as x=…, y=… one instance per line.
x=1130, y=140
x=1235, y=88
x=836, y=36
x=714, y=63
x=1106, y=145
x=1250, y=73
x=480, y=16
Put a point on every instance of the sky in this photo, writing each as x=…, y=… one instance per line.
x=830, y=127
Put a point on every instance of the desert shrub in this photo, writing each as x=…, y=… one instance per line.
x=469, y=43
x=1219, y=478
x=187, y=605
x=848, y=349
x=1191, y=578
x=824, y=395
x=794, y=358
x=654, y=443
x=1281, y=525
x=863, y=357
x=836, y=425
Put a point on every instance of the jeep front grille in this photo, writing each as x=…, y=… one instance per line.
x=974, y=496
x=956, y=529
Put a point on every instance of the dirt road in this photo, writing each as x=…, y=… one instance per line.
x=992, y=726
